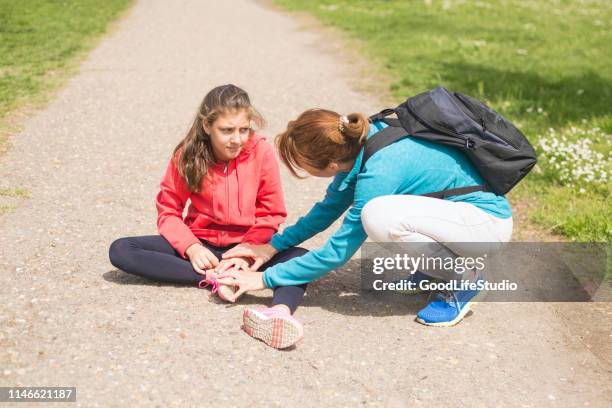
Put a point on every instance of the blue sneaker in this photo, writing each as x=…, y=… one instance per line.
x=417, y=278
x=448, y=307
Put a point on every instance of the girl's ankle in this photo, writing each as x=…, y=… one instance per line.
x=283, y=308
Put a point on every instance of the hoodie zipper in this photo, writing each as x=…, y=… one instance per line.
x=227, y=202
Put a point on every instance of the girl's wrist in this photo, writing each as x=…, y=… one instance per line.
x=272, y=250
x=191, y=247
x=275, y=242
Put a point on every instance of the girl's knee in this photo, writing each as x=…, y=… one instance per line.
x=118, y=251
x=299, y=251
x=290, y=253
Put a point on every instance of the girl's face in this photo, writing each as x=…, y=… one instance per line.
x=228, y=134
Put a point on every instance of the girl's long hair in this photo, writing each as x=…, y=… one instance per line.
x=194, y=154
x=319, y=136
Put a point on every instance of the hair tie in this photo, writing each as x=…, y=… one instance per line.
x=343, y=121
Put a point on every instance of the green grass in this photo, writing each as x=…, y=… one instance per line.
x=5, y=209
x=40, y=43
x=12, y=193
x=543, y=64
x=15, y=192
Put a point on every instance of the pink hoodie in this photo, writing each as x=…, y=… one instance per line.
x=240, y=201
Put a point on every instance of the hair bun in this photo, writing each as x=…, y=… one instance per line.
x=356, y=126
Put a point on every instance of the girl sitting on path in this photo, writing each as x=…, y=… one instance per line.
x=383, y=203
x=231, y=176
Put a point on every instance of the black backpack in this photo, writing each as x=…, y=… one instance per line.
x=499, y=151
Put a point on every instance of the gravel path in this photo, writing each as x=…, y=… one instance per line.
x=92, y=161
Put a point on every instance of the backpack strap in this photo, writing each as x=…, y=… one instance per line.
x=382, y=114
x=381, y=139
x=456, y=191
x=392, y=134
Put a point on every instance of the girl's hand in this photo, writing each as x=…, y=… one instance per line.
x=259, y=254
x=201, y=258
x=244, y=281
x=233, y=263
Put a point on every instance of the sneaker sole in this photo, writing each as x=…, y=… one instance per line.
x=274, y=331
x=460, y=316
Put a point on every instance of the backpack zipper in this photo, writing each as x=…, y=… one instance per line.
x=470, y=115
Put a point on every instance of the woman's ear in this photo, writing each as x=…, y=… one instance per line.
x=333, y=166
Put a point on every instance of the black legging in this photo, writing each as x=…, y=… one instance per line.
x=154, y=258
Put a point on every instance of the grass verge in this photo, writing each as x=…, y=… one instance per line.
x=545, y=65
x=41, y=43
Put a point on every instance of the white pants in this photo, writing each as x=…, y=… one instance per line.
x=436, y=228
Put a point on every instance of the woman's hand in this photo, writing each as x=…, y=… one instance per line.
x=233, y=263
x=201, y=258
x=259, y=254
x=244, y=281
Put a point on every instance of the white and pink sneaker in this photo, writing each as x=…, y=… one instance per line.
x=223, y=291
x=274, y=326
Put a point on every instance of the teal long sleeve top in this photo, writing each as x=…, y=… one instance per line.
x=408, y=166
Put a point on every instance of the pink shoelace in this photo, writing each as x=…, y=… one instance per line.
x=213, y=282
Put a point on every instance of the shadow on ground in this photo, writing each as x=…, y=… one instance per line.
x=339, y=292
